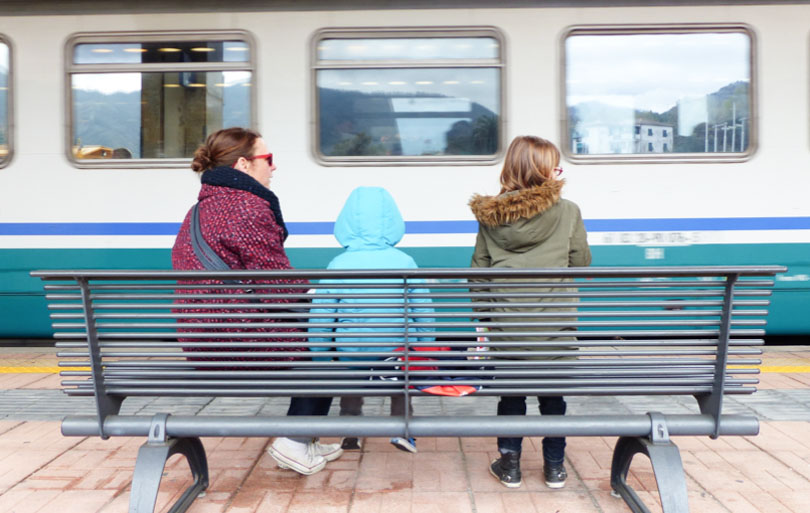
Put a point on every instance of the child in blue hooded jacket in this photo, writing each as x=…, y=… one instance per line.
x=368, y=227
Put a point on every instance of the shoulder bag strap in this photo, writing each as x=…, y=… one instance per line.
x=204, y=253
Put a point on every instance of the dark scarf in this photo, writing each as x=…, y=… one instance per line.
x=224, y=176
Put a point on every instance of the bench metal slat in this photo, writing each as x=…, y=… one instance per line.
x=499, y=382
x=465, y=273
x=437, y=335
x=463, y=316
x=438, y=357
x=596, y=362
x=444, y=426
x=583, y=308
x=450, y=343
x=603, y=283
x=397, y=390
x=287, y=296
x=347, y=326
x=242, y=374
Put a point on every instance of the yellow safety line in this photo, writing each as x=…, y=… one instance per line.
x=40, y=370
x=787, y=369
x=784, y=369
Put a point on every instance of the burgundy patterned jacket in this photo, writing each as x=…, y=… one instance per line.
x=241, y=220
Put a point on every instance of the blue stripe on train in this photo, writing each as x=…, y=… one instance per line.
x=414, y=227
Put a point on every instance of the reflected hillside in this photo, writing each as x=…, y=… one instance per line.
x=116, y=120
x=354, y=123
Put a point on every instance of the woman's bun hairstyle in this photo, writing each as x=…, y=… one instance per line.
x=202, y=159
x=224, y=147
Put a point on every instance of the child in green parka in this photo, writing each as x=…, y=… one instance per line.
x=529, y=225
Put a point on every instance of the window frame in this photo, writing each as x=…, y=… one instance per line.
x=124, y=37
x=406, y=32
x=663, y=158
x=9, y=101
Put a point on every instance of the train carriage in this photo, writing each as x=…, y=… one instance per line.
x=683, y=125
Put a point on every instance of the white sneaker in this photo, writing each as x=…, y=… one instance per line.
x=329, y=452
x=297, y=456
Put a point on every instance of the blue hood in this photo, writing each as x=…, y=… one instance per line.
x=370, y=219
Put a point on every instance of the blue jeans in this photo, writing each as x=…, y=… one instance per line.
x=553, y=448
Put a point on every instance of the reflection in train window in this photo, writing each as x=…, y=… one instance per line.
x=414, y=48
x=153, y=97
x=664, y=91
x=5, y=103
x=138, y=53
x=408, y=97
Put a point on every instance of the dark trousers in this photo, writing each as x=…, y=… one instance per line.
x=553, y=448
x=308, y=406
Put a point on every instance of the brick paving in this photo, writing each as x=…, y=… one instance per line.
x=42, y=471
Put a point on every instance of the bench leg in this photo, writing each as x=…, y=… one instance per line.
x=668, y=469
x=149, y=467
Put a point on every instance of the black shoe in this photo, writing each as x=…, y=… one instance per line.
x=506, y=469
x=555, y=475
x=350, y=444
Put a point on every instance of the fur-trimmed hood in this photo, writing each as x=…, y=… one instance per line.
x=509, y=207
x=518, y=221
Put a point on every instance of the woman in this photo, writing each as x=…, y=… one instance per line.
x=240, y=219
x=529, y=225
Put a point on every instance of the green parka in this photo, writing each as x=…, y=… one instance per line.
x=530, y=228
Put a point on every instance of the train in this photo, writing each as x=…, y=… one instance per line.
x=683, y=127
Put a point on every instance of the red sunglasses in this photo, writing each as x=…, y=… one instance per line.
x=267, y=156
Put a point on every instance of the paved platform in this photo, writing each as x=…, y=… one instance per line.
x=42, y=471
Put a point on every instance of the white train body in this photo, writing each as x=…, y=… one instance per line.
x=751, y=207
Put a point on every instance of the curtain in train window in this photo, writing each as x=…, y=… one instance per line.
x=5, y=104
x=658, y=93
x=408, y=98
x=156, y=100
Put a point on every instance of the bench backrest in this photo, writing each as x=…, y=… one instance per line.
x=575, y=331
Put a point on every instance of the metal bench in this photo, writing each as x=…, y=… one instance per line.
x=639, y=331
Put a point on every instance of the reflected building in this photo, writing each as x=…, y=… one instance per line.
x=652, y=137
x=603, y=138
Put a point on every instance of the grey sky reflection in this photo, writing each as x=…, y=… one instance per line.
x=653, y=71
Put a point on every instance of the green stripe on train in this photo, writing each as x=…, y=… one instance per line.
x=23, y=312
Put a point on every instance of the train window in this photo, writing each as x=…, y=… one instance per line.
x=662, y=93
x=408, y=96
x=5, y=102
x=138, y=98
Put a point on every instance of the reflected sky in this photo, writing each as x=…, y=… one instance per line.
x=653, y=71
x=111, y=83
x=4, y=57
